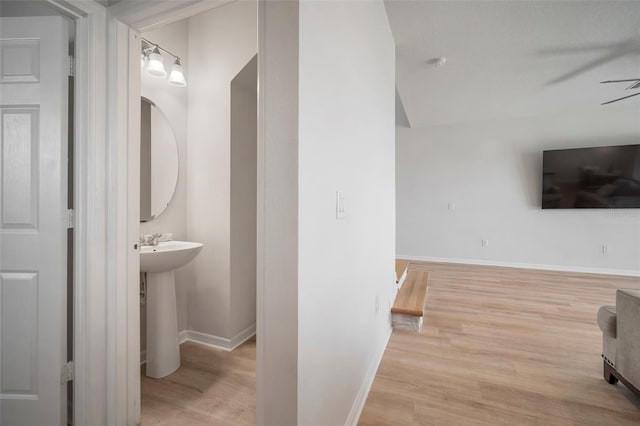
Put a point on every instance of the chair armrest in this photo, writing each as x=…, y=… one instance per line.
x=628, y=333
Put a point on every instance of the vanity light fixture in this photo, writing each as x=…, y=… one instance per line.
x=153, y=64
x=176, y=78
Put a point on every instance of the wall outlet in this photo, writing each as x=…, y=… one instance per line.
x=485, y=243
x=377, y=304
x=341, y=212
x=605, y=249
x=451, y=205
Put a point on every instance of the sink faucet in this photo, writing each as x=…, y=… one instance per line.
x=150, y=240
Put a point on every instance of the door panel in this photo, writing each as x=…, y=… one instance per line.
x=19, y=337
x=33, y=235
x=20, y=61
x=19, y=168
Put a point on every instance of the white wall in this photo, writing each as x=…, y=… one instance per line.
x=277, y=259
x=221, y=42
x=244, y=151
x=173, y=103
x=346, y=142
x=492, y=172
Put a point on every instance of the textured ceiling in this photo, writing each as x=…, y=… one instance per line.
x=510, y=59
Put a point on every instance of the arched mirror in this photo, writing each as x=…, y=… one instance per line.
x=158, y=161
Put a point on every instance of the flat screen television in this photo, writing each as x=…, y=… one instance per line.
x=605, y=177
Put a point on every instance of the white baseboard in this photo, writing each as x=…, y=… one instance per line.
x=216, y=341
x=365, y=387
x=210, y=340
x=182, y=336
x=560, y=268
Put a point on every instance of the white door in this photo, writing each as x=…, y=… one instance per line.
x=33, y=201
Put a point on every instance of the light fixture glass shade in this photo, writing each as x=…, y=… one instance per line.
x=155, y=68
x=176, y=78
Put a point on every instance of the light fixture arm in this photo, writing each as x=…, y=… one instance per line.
x=152, y=46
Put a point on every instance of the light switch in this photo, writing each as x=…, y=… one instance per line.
x=341, y=212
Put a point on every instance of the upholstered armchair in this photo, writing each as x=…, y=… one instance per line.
x=620, y=327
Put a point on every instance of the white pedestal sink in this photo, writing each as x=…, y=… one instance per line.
x=159, y=262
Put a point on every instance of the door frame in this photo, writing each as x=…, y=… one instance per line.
x=126, y=21
x=276, y=280
x=91, y=211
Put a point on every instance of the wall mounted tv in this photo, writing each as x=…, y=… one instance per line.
x=605, y=177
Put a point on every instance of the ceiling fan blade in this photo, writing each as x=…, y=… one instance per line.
x=595, y=63
x=635, y=85
x=630, y=44
x=619, y=99
x=620, y=81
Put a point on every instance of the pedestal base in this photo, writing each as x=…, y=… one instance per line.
x=163, y=349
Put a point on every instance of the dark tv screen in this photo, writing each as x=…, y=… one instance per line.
x=605, y=177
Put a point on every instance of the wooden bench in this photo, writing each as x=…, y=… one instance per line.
x=408, y=309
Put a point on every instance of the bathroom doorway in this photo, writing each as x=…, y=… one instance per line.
x=197, y=78
x=277, y=191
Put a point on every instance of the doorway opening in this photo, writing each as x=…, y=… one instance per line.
x=207, y=132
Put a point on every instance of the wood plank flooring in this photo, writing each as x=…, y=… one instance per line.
x=502, y=346
x=499, y=346
x=212, y=387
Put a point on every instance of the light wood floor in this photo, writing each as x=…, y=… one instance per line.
x=502, y=346
x=499, y=347
x=212, y=387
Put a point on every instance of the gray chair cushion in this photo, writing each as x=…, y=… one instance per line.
x=607, y=320
x=628, y=335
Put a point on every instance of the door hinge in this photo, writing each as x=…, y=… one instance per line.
x=72, y=66
x=67, y=372
x=71, y=219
